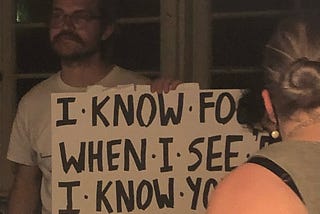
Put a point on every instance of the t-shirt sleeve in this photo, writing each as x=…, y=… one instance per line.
x=20, y=146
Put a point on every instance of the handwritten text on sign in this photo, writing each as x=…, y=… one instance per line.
x=133, y=151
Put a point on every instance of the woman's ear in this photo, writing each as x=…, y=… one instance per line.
x=268, y=105
x=107, y=32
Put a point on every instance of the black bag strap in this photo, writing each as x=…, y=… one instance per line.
x=276, y=169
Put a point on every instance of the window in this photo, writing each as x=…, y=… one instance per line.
x=239, y=31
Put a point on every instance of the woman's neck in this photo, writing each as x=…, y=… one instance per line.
x=307, y=133
x=306, y=128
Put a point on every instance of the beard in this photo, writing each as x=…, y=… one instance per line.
x=71, y=47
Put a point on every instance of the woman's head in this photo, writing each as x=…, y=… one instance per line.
x=292, y=65
x=291, y=73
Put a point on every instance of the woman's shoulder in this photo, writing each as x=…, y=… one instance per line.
x=251, y=188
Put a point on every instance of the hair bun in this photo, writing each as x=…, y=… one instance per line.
x=301, y=82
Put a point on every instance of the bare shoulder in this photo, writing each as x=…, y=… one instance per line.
x=254, y=189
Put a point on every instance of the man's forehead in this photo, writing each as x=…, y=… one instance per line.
x=73, y=5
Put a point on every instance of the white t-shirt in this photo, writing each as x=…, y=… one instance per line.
x=30, y=141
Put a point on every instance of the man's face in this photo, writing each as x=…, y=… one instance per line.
x=75, y=28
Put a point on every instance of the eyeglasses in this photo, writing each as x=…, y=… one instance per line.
x=78, y=19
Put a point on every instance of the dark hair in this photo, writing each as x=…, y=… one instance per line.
x=291, y=68
x=250, y=109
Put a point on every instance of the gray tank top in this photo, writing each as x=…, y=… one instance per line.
x=301, y=160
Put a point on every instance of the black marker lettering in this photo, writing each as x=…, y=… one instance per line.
x=232, y=110
x=111, y=155
x=170, y=114
x=101, y=197
x=65, y=112
x=212, y=155
x=166, y=167
x=195, y=187
x=204, y=105
x=69, y=186
x=228, y=154
x=162, y=199
x=96, y=111
x=149, y=191
x=95, y=156
x=77, y=164
x=127, y=198
x=192, y=149
x=129, y=149
x=153, y=110
x=127, y=112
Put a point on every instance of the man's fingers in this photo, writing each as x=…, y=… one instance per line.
x=164, y=85
x=174, y=84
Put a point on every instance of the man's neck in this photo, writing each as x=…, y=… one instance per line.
x=84, y=72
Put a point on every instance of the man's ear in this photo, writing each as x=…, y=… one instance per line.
x=107, y=32
x=268, y=105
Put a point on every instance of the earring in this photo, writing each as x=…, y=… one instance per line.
x=275, y=134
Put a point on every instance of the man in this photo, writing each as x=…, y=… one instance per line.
x=77, y=30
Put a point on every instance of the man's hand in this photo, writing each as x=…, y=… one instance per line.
x=164, y=85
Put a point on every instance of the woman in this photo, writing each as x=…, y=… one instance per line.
x=284, y=177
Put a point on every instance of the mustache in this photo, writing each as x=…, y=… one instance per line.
x=69, y=35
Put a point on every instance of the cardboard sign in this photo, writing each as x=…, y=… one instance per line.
x=127, y=150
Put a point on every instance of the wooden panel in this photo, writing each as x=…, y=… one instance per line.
x=7, y=89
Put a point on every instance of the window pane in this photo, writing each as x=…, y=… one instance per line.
x=138, y=46
x=37, y=11
x=240, y=42
x=242, y=80
x=29, y=11
x=24, y=85
x=250, y=5
x=139, y=8
x=34, y=54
